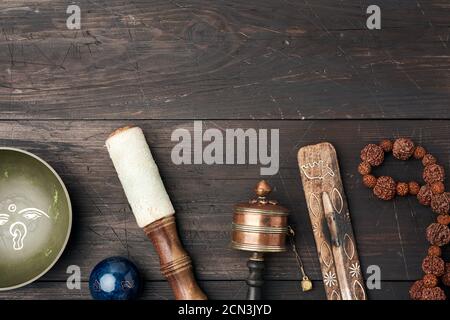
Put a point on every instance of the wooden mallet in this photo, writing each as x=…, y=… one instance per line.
x=152, y=208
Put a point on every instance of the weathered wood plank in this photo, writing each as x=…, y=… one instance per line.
x=388, y=234
x=216, y=290
x=224, y=60
x=274, y=16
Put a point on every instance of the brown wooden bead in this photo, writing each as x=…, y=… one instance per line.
x=402, y=189
x=446, y=279
x=438, y=187
x=433, y=173
x=434, y=251
x=403, y=149
x=443, y=219
x=415, y=292
x=435, y=293
x=364, y=168
x=369, y=181
x=428, y=159
x=419, y=153
x=424, y=195
x=440, y=203
x=386, y=145
x=430, y=281
x=372, y=154
x=438, y=234
x=385, y=188
x=414, y=188
x=433, y=265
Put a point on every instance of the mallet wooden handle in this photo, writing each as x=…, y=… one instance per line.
x=175, y=263
x=152, y=208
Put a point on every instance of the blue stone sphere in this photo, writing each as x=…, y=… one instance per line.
x=115, y=278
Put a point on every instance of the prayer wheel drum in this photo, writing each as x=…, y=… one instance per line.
x=259, y=226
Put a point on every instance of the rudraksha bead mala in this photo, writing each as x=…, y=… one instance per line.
x=432, y=194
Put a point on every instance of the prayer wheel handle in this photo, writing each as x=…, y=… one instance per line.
x=255, y=278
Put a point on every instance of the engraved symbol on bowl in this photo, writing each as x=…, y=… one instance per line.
x=19, y=223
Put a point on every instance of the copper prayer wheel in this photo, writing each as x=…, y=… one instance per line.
x=260, y=225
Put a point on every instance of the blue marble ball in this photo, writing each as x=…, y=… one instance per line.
x=115, y=278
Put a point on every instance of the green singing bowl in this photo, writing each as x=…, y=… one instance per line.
x=35, y=218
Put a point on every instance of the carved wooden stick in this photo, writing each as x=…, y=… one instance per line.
x=330, y=218
x=152, y=208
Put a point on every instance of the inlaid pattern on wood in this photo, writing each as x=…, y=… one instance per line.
x=337, y=200
x=319, y=170
x=349, y=247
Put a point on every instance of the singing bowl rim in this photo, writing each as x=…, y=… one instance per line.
x=69, y=222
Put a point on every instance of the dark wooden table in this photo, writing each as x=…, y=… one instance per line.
x=310, y=68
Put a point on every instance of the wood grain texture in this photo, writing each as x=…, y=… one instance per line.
x=331, y=222
x=236, y=64
x=224, y=60
x=176, y=265
x=389, y=234
x=216, y=290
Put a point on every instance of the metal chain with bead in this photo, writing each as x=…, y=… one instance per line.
x=432, y=193
x=306, y=282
